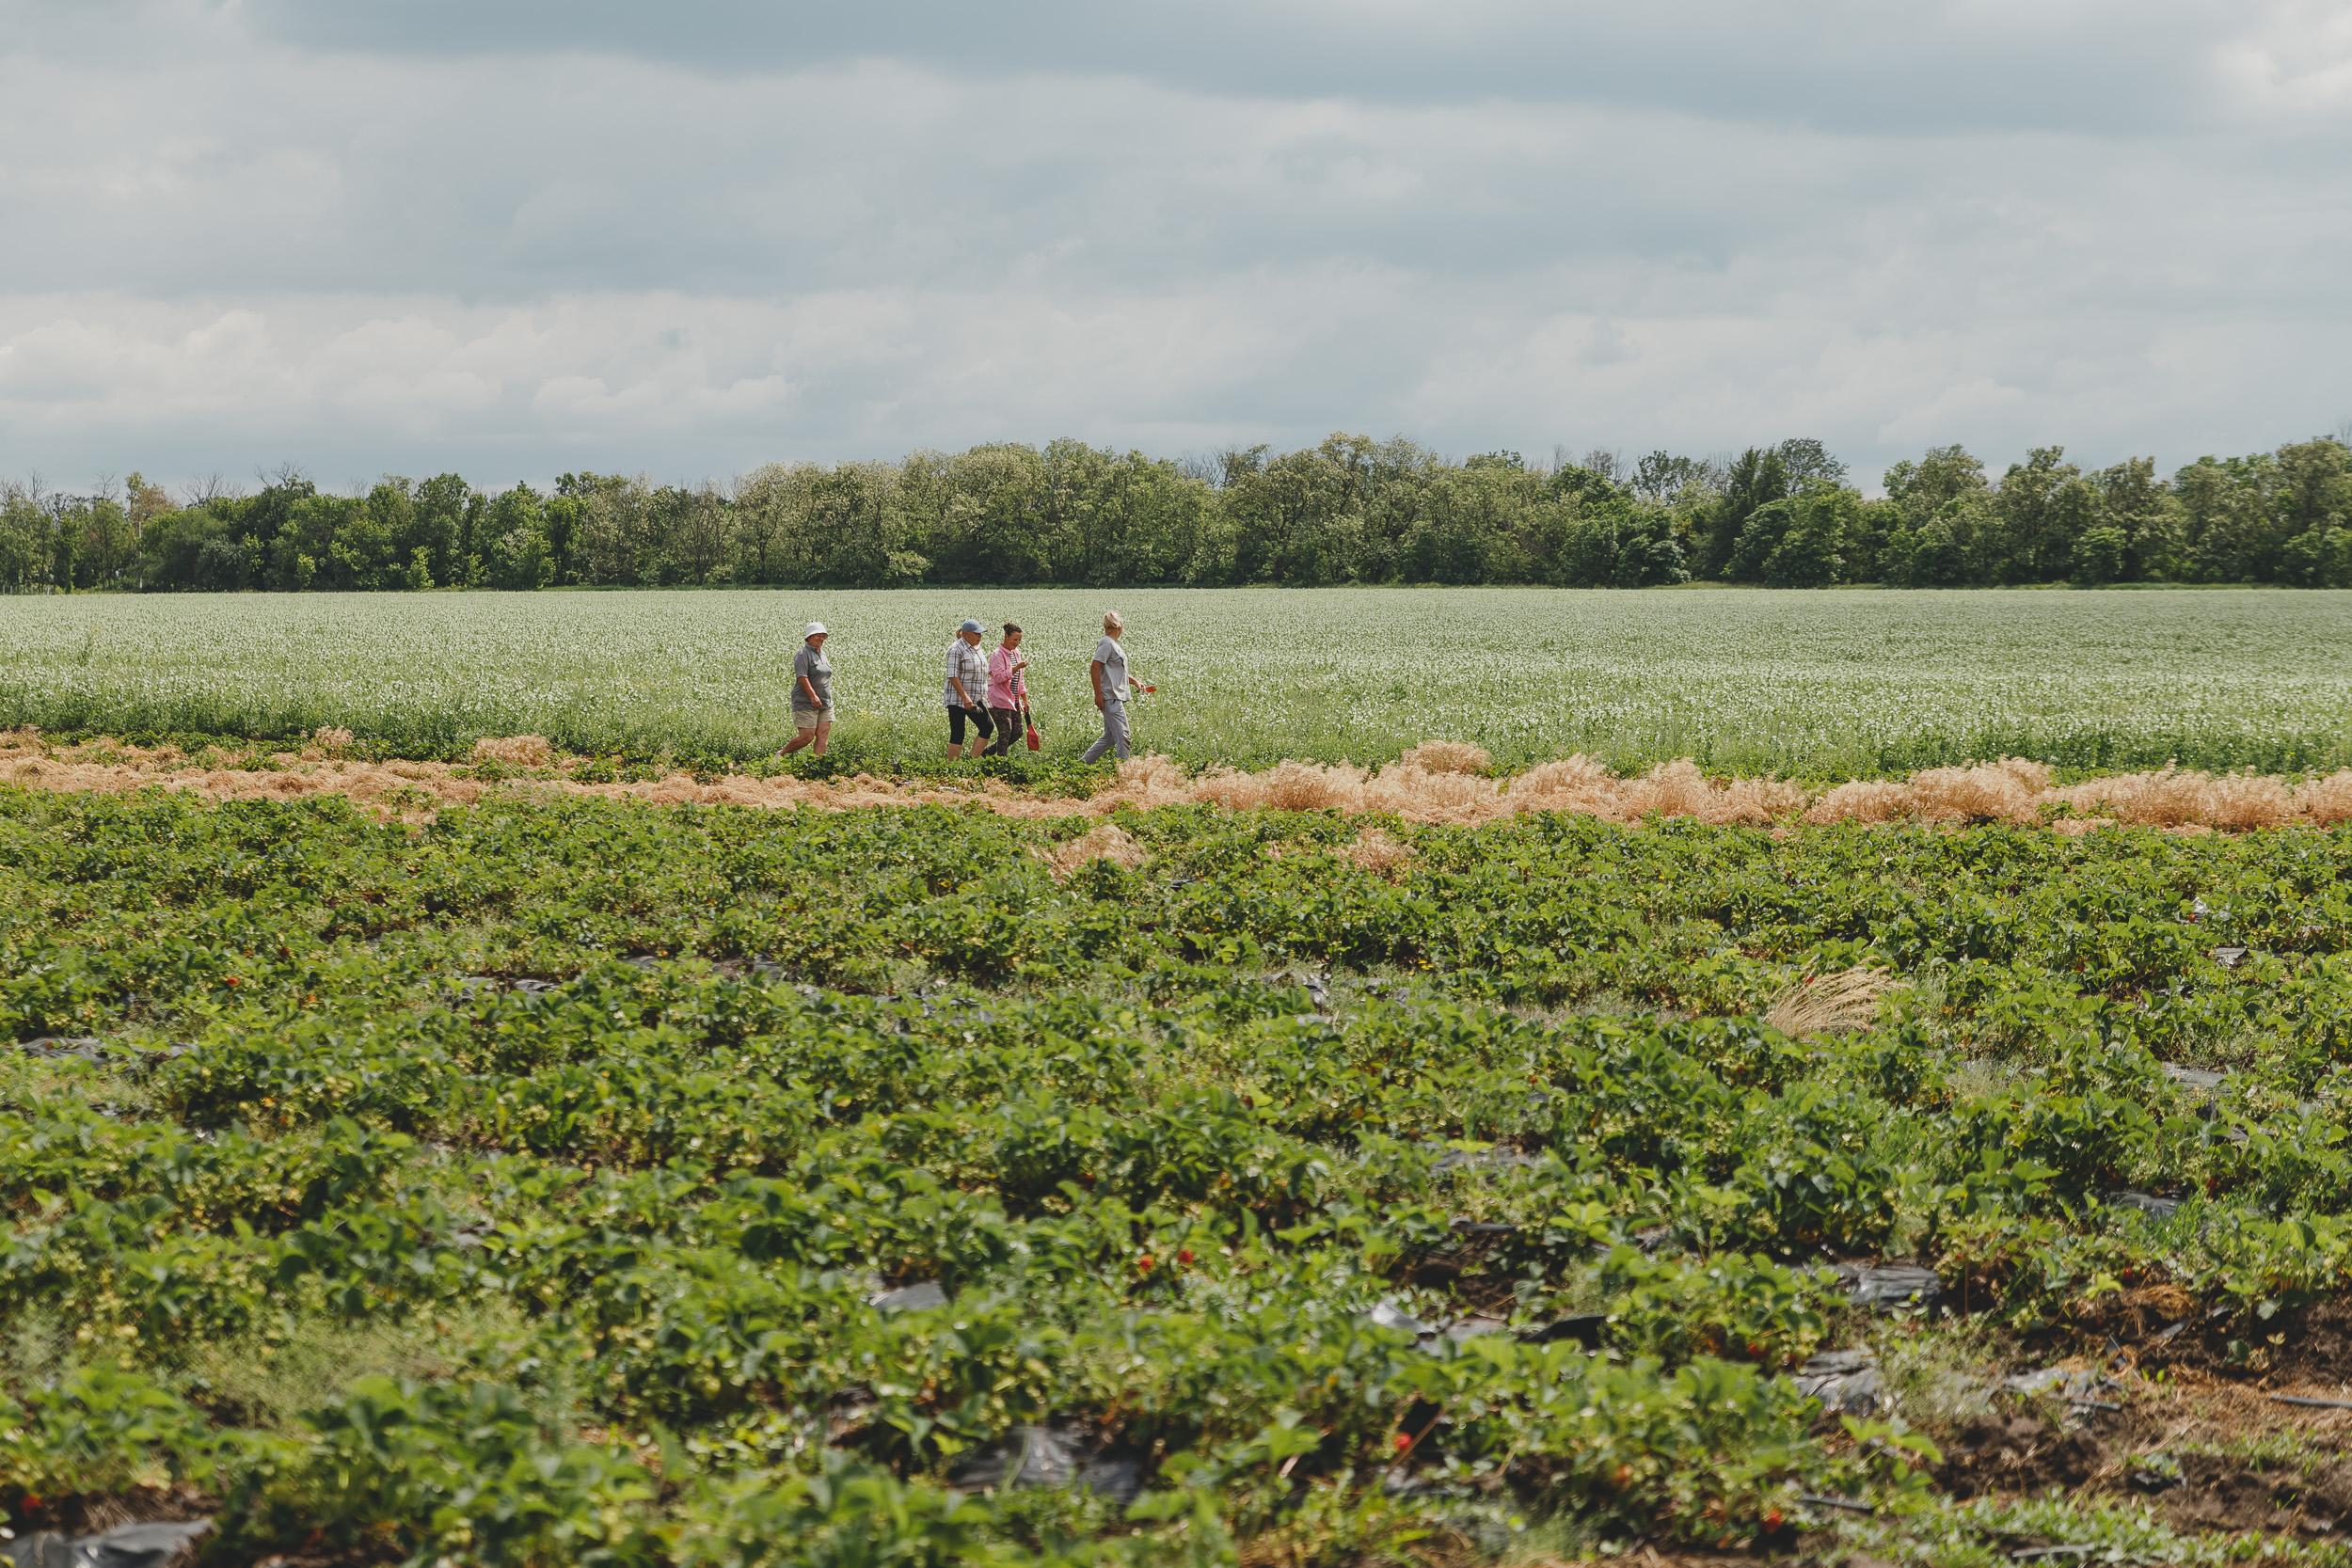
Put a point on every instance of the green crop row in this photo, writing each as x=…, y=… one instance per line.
x=582, y=1182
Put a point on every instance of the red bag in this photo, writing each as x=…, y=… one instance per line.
x=1029, y=719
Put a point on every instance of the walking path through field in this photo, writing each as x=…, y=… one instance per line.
x=1440, y=782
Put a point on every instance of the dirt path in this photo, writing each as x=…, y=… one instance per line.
x=1439, y=782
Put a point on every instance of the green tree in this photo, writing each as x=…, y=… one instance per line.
x=2232, y=534
x=439, y=523
x=854, y=523
x=1945, y=475
x=1825, y=520
x=2043, y=504
x=2312, y=503
x=1760, y=537
x=982, y=516
x=1757, y=479
x=1297, y=518
x=2142, y=508
x=1805, y=461
x=26, y=552
x=611, y=544
x=1348, y=510
x=1661, y=476
x=106, y=549
x=515, y=534
x=2102, y=555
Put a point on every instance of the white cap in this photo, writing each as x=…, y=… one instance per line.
x=815, y=628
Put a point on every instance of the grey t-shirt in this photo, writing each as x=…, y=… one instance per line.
x=812, y=665
x=1113, y=659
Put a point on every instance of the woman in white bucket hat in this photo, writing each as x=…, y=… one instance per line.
x=812, y=692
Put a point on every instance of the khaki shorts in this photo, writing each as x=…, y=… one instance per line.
x=809, y=719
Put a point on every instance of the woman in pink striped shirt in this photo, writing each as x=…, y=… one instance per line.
x=1008, y=690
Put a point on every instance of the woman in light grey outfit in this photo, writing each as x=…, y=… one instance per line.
x=1111, y=686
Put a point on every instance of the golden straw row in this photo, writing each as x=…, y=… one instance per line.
x=1437, y=781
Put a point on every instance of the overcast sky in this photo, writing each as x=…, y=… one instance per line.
x=516, y=237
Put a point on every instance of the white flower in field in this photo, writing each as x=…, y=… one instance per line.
x=1787, y=682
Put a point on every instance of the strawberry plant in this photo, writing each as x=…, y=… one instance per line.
x=569, y=1181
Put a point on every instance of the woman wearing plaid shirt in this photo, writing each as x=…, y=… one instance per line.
x=966, y=691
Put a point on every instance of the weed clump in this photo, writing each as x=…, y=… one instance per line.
x=1677, y=788
x=1843, y=1002
x=1380, y=853
x=515, y=750
x=1105, y=841
x=2325, y=802
x=327, y=740
x=2008, y=790
x=1285, y=786
x=2177, y=798
x=1448, y=757
x=1151, y=780
x=1575, y=784
x=2239, y=801
x=1863, y=800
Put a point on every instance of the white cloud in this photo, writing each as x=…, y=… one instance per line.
x=415, y=237
x=2295, y=60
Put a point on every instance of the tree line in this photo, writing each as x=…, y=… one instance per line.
x=1350, y=511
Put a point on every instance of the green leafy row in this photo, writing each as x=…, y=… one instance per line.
x=588, y=1183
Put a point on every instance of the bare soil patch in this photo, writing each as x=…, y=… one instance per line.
x=2217, y=1493
x=2162, y=1326
x=2024, y=1452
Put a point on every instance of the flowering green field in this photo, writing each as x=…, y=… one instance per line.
x=1818, y=684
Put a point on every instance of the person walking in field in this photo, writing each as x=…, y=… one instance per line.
x=812, y=692
x=1007, y=690
x=966, y=691
x=1112, y=684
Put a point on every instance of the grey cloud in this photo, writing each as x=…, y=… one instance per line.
x=517, y=238
x=1857, y=64
x=495, y=179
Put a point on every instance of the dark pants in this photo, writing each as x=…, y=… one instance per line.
x=959, y=717
x=1009, y=728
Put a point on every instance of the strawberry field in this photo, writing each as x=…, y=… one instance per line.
x=578, y=1182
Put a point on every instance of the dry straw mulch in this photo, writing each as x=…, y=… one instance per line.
x=1439, y=782
x=1841, y=1003
x=1104, y=841
x=1380, y=853
x=515, y=750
